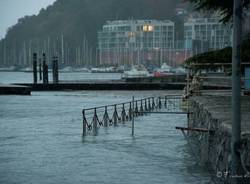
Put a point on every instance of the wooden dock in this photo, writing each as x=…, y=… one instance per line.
x=14, y=90
x=105, y=85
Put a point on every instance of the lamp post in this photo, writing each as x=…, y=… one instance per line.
x=236, y=89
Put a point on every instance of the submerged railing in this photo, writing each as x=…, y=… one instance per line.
x=111, y=115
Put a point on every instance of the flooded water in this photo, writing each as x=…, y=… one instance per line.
x=41, y=142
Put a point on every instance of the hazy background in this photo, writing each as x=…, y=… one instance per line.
x=12, y=10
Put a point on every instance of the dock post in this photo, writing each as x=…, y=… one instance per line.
x=55, y=70
x=95, y=123
x=84, y=123
x=40, y=69
x=133, y=126
x=35, y=68
x=45, y=70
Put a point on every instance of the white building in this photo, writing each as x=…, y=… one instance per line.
x=125, y=42
x=211, y=30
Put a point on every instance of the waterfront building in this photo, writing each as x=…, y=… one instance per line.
x=208, y=31
x=128, y=42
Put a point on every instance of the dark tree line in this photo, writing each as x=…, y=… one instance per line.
x=69, y=28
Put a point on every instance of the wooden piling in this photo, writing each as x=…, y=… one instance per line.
x=133, y=126
x=40, y=69
x=45, y=70
x=55, y=70
x=35, y=68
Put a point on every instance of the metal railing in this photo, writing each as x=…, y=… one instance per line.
x=111, y=115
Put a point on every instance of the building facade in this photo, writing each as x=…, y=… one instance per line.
x=127, y=42
x=210, y=31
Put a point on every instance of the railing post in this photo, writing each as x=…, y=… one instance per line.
x=106, y=117
x=141, y=108
x=159, y=102
x=130, y=111
x=115, y=116
x=136, y=109
x=123, y=115
x=145, y=105
x=165, y=102
x=95, y=122
x=84, y=123
x=149, y=104
x=153, y=103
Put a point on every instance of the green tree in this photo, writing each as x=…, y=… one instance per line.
x=225, y=7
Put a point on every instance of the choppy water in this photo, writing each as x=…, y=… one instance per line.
x=41, y=142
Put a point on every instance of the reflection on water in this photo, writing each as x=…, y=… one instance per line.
x=41, y=142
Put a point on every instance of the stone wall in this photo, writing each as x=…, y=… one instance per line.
x=213, y=149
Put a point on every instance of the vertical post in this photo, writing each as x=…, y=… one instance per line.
x=45, y=70
x=130, y=111
x=159, y=102
x=55, y=70
x=40, y=69
x=115, y=116
x=35, y=68
x=84, y=123
x=105, y=118
x=95, y=123
x=133, y=110
x=236, y=89
x=44, y=63
x=123, y=113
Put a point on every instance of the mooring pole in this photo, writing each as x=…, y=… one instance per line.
x=35, y=68
x=45, y=70
x=236, y=90
x=44, y=63
x=55, y=70
x=133, y=111
x=40, y=69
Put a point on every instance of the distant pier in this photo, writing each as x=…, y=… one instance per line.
x=14, y=90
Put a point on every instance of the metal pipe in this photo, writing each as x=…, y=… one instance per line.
x=236, y=89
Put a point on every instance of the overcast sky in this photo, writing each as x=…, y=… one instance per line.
x=12, y=10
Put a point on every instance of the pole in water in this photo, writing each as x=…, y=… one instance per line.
x=44, y=63
x=40, y=69
x=35, y=68
x=133, y=111
x=55, y=70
